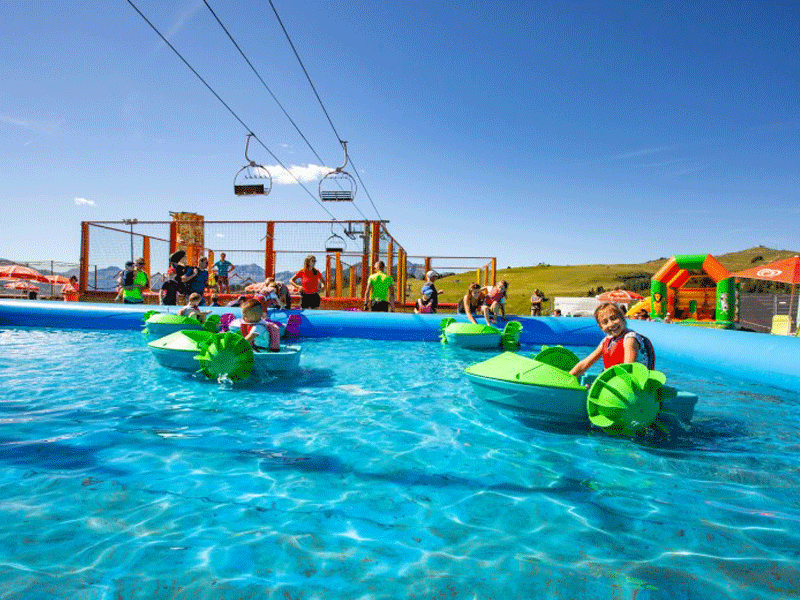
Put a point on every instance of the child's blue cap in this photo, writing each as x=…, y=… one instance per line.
x=427, y=290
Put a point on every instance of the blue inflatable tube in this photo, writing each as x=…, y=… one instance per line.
x=761, y=358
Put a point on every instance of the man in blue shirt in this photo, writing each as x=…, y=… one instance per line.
x=223, y=268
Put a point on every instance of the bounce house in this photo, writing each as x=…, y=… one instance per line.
x=695, y=289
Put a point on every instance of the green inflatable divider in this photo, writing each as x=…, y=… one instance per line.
x=509, y=339
x=625, y=399
x=558, y=356
x=226, y=354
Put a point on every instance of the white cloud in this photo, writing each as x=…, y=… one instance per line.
x=84, y=202
x=296, y=173
x=41, y=127
x=643, y=152
x=220, y=235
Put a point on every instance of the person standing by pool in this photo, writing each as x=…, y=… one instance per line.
x=379, y=296
x=169, y=289
x=493, y=304
x=196, y=278
x=621, y=345
x=132, y=294
x=176, y=261
x=223, y=268
x=430, y=283
x=308, y=279
x=536, y=302
x=472, y=302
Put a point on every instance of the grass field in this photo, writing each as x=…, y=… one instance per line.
x=577, y=280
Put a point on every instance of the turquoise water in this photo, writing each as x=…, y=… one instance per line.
x=373, y=474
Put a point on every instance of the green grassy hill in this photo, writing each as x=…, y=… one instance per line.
x=577, y=280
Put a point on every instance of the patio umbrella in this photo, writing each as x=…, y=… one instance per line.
x=20, y=272
x=620, y=296
x=783, y=271
x=22, y=285
x=56, y=279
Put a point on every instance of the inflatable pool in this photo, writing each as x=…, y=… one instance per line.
x=766, y=359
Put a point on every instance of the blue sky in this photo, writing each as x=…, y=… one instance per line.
x=557, y=132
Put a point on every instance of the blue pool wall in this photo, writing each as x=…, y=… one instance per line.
x=744, y=356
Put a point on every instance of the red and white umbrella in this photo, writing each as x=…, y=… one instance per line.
x=22, y=285
x=20, y=272
x=620, y=296
x=56, y=279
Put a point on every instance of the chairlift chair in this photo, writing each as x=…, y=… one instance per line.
x=335, y=243
x=338, y=185
x=252, y=179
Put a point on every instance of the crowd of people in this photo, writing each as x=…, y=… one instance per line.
x=190, y=283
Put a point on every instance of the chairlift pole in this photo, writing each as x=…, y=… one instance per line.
x=131, y=222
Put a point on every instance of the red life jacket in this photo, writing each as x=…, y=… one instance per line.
x=614, y=351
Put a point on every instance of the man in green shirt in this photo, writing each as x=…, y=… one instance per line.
x=132, y=294
x=379, y=296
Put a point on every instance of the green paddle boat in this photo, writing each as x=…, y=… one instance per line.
x=625, y=399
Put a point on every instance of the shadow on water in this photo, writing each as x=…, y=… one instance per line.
x=332, y=465
x=707, y=435
x=53, y=456
x=305, y=378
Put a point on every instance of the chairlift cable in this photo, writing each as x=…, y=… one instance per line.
x=261, y=79
x=324, y=110
x=230, y=110
x=363, y=187
x=311, y=83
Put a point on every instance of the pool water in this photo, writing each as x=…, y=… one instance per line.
x=373, y=474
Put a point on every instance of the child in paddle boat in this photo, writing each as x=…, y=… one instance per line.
x=621, y=345
x=472, y=302
x=192, y=308
x=494, y=303
x=253, y=324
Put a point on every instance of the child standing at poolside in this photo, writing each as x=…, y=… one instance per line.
x=192, y=308
x=252, y=325
x=621, y=345
x=425, y=302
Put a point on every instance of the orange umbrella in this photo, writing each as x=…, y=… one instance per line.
x=22, y=285
x=621, y=296
x=784, y=271
x=20, y=272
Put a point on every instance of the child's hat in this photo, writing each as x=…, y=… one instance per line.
x=170, y=271
x=426, y=290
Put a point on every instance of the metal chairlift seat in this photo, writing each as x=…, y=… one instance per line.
x=338, y=185
x=252, y=179
x=335, y=243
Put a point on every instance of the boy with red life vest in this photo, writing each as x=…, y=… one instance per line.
x=252, y=325
x=621, y=345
